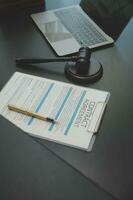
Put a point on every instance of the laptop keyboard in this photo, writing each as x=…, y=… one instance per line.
x=80, y=27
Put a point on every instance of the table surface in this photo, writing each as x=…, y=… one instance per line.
x=32, y=167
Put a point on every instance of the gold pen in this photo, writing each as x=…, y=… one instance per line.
x=31, y=114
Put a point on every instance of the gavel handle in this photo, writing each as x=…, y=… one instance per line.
x=82, y=56
x=22, y=61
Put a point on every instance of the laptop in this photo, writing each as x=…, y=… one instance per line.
x=69, y=28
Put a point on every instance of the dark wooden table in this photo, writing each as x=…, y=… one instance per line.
x=33, y=168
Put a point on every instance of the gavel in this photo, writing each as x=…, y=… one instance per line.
x=79, y=68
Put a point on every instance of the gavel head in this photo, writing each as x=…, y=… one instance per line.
x=84, y=70
x=83, y=60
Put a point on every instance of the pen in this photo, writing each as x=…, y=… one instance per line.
x=31, y=114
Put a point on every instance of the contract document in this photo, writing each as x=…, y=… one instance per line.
x=78, y=110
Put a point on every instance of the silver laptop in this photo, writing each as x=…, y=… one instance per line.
x=69, y=28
